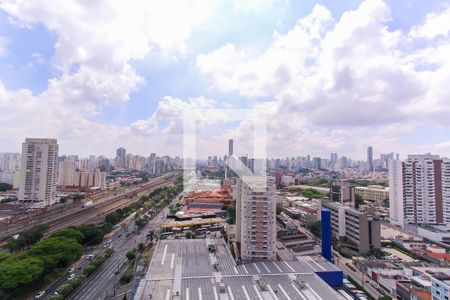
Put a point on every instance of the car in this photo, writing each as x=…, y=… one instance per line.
x=90, y=256
x=72, y=270
x=56, y=293
x=72, y=276
x=39, y=295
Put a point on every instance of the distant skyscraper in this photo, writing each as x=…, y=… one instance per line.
x=334, y=158
x=370, y=159
x=230, y=147
x=39, y=171
x=419, y=190
x=256, y=220
x=121, y=157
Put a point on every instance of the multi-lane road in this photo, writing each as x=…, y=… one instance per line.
x=102, y=284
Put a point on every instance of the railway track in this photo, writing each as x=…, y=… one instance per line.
x=98, y=210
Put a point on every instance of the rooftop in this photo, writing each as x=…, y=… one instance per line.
x=185, y=269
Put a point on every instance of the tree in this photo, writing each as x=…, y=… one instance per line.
x=280, y=208
x=150, y=236
x=65, y=289
x=56, y=252
x=15, y=273
x=5, y=187
x=358, y=200
x=315, y=228
x=141, y=247
x=70, y=233
x=312, y=194
x=131, y=255
x=92, y=234
x=111, y=218
x=231, y=212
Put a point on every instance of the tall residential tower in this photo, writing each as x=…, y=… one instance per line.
x=256, y=218
x=419, y=190
x=39, y=171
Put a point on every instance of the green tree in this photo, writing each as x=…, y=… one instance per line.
x=131, y=255
x=65, y=289
x=280, y=208
x=315, y=228
x=141, y=247
x=70, y=233
x=358, y=200
x=231, y=212
x=93, y=235
x=56, y=252
x=20, y=272
x=111, y=218
x=5, y=187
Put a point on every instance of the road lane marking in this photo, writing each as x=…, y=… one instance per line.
x=187, y=293
x=173, y=259
x=267, y=269
x=168, y=294
x=164, y=255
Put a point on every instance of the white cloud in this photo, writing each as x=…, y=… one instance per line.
x=436, y=24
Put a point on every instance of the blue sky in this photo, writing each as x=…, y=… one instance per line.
x=118, y=80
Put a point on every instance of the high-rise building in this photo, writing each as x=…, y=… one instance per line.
x=370, y=167
x=256, y=218
x=39, y=171
x=66, y=173
x=230, y=147
x=121, y=157
x=419, y=190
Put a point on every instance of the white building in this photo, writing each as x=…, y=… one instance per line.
x=39, y=171
x=256, y=218
x=66, y=173
x=420, y=190
x=440, y=286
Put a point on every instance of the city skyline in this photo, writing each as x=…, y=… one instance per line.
x=98, y=82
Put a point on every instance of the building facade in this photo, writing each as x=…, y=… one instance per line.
x=39, y=171
x=373, y=193
x=361, y=228
x=420, y=190
x=257, y=219
x=66, y=173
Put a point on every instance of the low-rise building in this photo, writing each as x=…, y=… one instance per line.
x=440, y=285
x=373, y=193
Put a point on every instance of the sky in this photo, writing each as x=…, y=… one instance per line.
x=324, y=76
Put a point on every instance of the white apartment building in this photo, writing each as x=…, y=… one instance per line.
x=420, y=190
x=66, y=173
x=256, y=218
x=39, y=171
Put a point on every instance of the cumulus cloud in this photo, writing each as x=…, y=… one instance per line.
x=436, y=24
x=351, y=73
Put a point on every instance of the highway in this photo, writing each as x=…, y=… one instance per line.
x=102, y=284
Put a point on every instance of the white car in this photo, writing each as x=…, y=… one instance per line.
x=72, y=276
x=39, y=295
x=72, y=270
